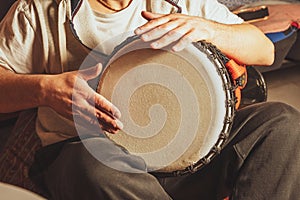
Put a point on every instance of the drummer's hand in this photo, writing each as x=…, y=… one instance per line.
x=69, y=94
x=178, y=28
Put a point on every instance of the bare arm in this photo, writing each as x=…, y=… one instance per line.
x=66, y=93
x=19, y=92
x=243, y=42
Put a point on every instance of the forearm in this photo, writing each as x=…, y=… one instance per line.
x=19, y=92
x=244, y=43
x=68, y=94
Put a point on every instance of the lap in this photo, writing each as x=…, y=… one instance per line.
x=264, y=138
x=75, y=170
x=75, y=173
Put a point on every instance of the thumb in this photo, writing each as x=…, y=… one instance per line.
x=149, y=15
x=90, y=73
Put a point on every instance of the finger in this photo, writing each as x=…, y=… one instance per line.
x=90, y=73
x=160, y=31
x=90, y=117
x=84, y=115
x=96, y=102
x=149, y=15
x=152, y=24
x=107, y=123
x=183, y=42
x=172, y=36
x=107, y=107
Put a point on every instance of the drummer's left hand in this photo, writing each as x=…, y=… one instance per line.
x=181, y=29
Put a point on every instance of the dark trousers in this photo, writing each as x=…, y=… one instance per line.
x=260, y=161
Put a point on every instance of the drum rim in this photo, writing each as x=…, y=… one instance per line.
x=219, y=60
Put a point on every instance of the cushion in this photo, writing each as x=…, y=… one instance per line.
x=18, y=153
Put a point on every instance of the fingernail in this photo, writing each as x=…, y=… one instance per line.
x=119, y=124
x=176, y=49
x=117, y=113
x=145, y=37
x=154, y=45
x=137, y=31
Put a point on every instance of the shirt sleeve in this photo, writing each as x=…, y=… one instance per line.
x=20, y=45
x=212, y=10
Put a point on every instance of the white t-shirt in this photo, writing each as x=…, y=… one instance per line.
x=33, y=42
x=114, y=30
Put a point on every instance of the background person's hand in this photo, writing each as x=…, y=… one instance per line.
x=179, y=29
x=70, y=95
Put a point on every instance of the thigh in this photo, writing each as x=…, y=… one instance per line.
x=77, y=174
x=235, y=167
x=268, y=154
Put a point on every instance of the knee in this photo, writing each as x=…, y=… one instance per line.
x=284, y=122
x=285, y=115
x=278, y=114
x=77, y=174
x=269, y=119
x=95, y=180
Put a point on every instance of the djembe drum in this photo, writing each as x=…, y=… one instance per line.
x=177, y=107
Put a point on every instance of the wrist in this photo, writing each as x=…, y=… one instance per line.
x=43, y=90
x=212, y=31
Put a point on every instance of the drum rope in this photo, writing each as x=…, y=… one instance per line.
x=237, y=72
x=220, y=60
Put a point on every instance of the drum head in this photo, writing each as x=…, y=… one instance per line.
x=173, y=105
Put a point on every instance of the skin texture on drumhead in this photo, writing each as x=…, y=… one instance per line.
x=167, y=105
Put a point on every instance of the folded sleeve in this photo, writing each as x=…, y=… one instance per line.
x=213, y=10
x=21, y=49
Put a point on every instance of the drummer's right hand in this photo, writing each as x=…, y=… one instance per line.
x=70, y=95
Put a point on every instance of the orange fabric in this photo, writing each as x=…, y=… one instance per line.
x=238, y=74
x=238, y=95
x=234, y=69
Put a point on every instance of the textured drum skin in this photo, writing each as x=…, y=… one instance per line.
x=173, y=105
